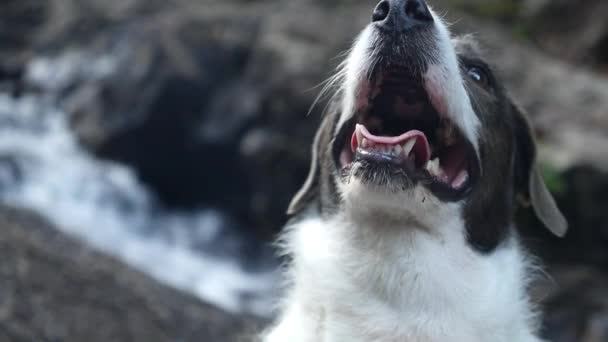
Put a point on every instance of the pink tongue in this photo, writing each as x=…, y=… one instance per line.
x=421, y=149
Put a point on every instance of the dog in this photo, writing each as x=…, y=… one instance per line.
x=404, y=229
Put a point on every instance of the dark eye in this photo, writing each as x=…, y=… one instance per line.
x=478, y=75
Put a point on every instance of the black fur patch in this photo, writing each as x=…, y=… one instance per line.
x=503, y=143
x=392, y=177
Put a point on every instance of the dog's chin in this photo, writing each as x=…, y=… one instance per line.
x=393, y=202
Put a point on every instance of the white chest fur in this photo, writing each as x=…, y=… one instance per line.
x=382, y=283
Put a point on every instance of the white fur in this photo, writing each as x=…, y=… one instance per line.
x=444, y=84
x=364, y=279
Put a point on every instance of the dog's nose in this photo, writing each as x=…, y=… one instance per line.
x=402, y=14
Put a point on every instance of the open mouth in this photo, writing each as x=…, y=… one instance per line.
x=399, y=129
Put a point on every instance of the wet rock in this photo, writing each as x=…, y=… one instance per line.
x=20, y=21
x=53, y=288
x=576, y=305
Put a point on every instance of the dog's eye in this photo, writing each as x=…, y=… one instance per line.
x=478, y=75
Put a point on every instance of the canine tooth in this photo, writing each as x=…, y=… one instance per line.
x=397, y=149
x=460, y=179
x=408, y=146
x=364, y=143
x=359, y=134
x=433, y=167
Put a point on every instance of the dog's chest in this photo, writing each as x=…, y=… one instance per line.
x=379, y=285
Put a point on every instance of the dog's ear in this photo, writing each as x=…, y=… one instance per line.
x=530, y=181
x=310, y=190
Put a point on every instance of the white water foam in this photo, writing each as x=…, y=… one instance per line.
x=43, y=168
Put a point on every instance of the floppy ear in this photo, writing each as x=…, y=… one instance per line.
x=310, y=189
x=531, y=183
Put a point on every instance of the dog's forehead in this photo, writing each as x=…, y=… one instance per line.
x=468, y=46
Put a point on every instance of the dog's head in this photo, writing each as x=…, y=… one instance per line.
x=422, y=130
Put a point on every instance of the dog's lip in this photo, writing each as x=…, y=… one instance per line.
x=412, y=152
x=445, y=161
x=418, y=148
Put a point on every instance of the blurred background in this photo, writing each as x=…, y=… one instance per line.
x=149, y=148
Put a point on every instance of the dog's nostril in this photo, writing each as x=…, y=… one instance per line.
x=381, y=11
x=418, y=10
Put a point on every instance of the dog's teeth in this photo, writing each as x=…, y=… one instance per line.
x=433, y=167
x=408, y=146
x=430, y=166
x=359, y=135
x=397, y=150
x=460, y=179
x=364, y=143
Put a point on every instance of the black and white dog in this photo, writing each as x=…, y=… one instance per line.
x=403, y=230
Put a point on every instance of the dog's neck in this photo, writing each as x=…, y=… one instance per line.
x=400, y=282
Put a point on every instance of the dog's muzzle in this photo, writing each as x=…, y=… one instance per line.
x=397, y=136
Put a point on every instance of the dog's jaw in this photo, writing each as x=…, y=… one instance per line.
x=444, y=85
x=442, y=79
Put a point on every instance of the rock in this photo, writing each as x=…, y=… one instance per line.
x=576, y=305
x=53, y=288
x=576, y=32
x=19, y=24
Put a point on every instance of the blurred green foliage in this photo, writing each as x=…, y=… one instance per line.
x=554, y=179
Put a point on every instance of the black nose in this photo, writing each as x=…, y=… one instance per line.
x=402, y=14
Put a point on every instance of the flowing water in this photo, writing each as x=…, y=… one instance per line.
x=43, y=168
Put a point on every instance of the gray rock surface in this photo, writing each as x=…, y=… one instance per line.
x=52, y=288
x=576, y=305
x=573, y=30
